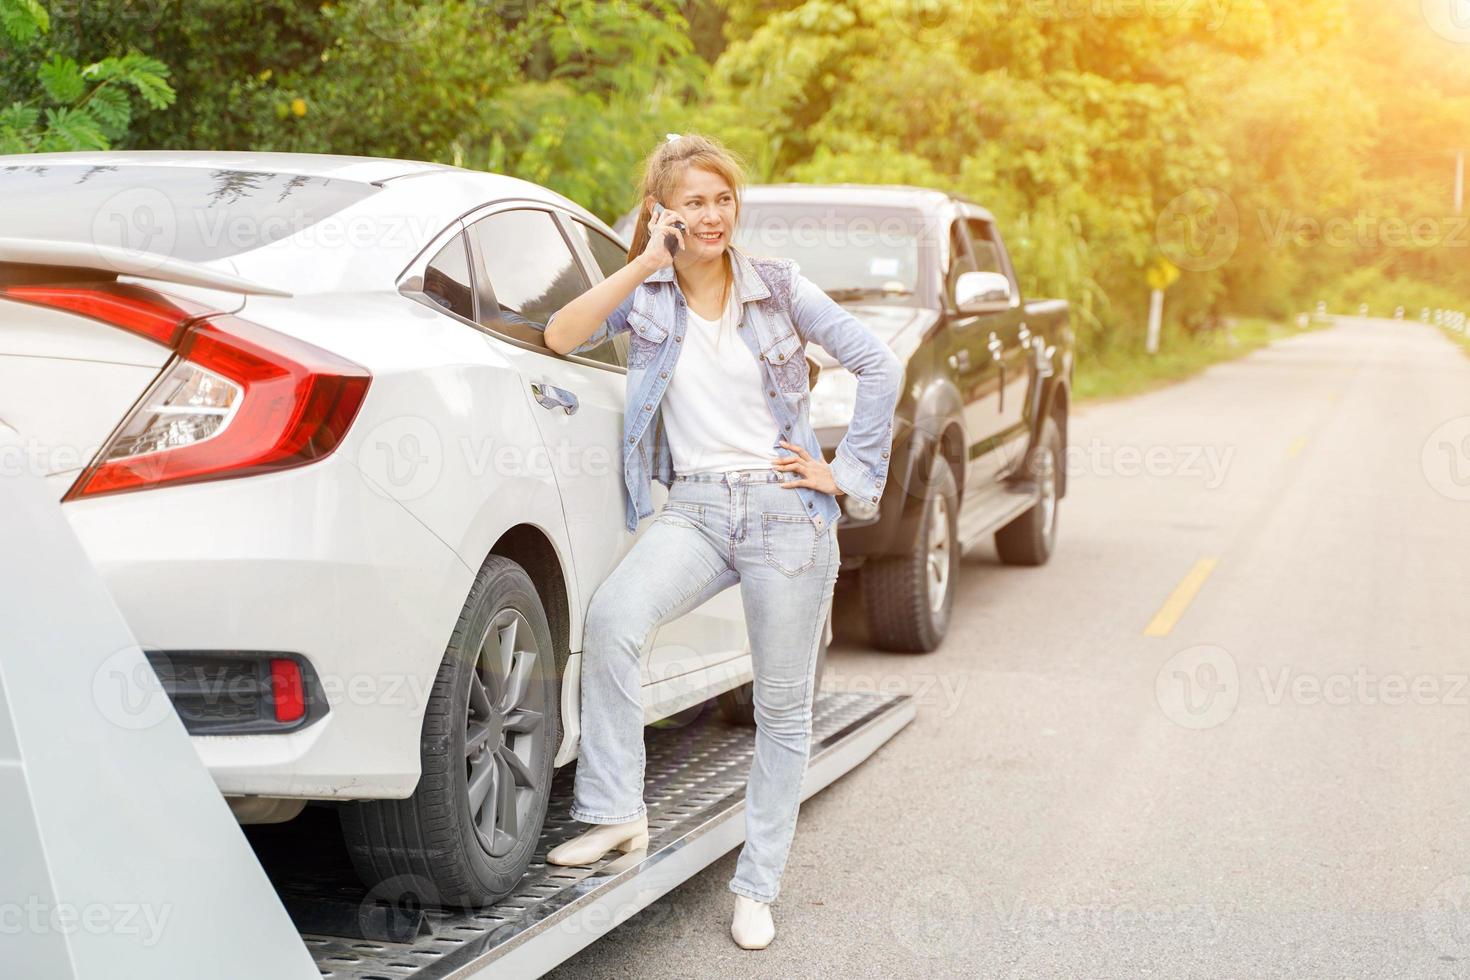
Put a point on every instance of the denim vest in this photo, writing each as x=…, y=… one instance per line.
x=781, y=311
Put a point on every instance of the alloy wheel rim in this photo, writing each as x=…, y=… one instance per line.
x=505, y=731
x=938, y=556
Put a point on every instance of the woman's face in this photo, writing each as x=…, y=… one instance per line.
x=707, y=204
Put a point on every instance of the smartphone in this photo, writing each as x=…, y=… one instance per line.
x=671, y=241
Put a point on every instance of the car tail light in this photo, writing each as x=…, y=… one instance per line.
x=287, y=691
x=237, y=399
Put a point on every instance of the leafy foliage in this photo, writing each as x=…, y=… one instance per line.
x=1094, y=129
x=55, y=103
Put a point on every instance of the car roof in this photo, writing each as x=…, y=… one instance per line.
x=355, y=168
x=892, y=195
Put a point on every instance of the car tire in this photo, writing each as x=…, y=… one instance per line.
x=498, y=686
x=908, y=598
x=738, y=706
x=1031, y=538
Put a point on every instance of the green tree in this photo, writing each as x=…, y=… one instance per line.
x=54, y=103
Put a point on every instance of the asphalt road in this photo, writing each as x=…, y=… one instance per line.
x=1276, y=782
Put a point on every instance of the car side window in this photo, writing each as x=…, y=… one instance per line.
x=447, y=279
x=989, y=256
x=530, y=272
x=609, y=255
x=960, y=259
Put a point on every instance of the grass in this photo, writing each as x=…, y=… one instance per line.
x=1460, y=337
x=1118, y=375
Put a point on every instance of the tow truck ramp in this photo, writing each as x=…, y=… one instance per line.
x=695, y=792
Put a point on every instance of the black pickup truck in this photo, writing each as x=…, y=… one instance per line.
x=980, y=433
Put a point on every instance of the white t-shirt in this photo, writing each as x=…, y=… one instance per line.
x=714, y=410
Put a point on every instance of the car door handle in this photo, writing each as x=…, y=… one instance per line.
x=550, y=396
x=1024, y=335
x=960, y=360
x=995, y=346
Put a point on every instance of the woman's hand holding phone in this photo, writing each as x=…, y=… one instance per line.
x=665, y=236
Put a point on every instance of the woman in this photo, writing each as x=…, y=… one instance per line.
x=751, y=499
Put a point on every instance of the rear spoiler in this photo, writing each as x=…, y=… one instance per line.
x=116, y=261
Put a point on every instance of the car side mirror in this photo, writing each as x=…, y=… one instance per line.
x=982, y=292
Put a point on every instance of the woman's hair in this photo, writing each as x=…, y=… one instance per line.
x=664, y=169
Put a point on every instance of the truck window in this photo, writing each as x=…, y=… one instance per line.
x=990, y=256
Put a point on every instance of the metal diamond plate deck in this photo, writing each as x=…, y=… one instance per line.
x=695, y=778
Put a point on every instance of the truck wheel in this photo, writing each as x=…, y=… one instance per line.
x=1030, y=538
x=491, y=727
x=738, y=706
x=908, y=597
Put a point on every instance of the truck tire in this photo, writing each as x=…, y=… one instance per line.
x=908, y=597
x=492, y=723
x=1030, y=538
x=738, y=706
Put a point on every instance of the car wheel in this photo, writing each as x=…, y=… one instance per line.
x=491, y=727
x=1030, y=538
x=738, y=706
x=908, y=597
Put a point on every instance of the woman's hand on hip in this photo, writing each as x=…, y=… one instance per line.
x=814, y=473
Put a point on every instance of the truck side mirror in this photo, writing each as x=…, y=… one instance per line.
x=982, y=292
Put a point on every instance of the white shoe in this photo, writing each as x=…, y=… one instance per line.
x=593, y=844
x=751, y=927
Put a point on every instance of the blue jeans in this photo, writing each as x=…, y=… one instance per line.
x=715, y=530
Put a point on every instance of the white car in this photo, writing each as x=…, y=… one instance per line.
x=346, y=499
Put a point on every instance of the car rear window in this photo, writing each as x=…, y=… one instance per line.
x=191, y=213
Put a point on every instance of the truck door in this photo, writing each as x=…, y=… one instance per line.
x=1009, y=329
x=972, y=363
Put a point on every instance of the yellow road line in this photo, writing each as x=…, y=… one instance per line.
x=1297, y=447
x=1173, y=608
